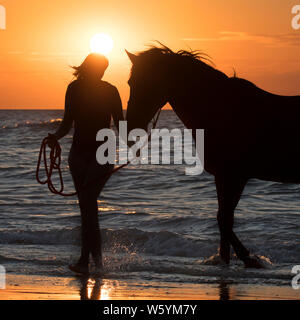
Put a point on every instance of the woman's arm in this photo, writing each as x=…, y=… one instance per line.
x=67, y=121
x=117, y=111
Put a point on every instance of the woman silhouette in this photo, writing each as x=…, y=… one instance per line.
x=89, y=104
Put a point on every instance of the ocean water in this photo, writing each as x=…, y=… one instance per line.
x=157, y=223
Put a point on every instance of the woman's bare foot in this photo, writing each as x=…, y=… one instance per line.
x=79, y=268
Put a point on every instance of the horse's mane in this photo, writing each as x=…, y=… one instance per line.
x=191, y=58
x=164, y=50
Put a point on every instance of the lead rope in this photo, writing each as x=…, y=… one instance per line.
x=154, y=122
x=55, y=161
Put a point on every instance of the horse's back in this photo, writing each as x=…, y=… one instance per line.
x=252, y=107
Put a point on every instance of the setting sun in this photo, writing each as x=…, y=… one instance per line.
x=101, y=43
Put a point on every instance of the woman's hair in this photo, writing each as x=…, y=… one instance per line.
x=93, y=63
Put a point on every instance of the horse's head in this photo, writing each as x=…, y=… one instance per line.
x=148, y=88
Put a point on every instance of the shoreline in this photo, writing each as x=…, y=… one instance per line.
x=32, y=287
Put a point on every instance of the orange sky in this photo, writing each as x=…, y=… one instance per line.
x=44, y=37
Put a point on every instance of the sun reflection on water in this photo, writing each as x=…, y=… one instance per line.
x=96, y=289
x=105, y=292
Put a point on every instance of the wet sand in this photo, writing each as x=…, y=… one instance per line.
x=26, y=287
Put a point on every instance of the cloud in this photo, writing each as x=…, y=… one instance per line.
x=277, y=40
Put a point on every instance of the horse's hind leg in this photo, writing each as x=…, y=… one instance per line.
x=229, y=190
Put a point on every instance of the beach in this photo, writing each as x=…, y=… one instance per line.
x=20, y=287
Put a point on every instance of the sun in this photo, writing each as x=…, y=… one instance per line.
x=101, y=43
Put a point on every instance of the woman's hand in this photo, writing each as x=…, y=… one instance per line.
x=52, y=140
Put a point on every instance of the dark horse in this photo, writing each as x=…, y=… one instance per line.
x=248, y=132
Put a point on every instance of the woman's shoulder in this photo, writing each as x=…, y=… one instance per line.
x=73, y=84
x=110, y=87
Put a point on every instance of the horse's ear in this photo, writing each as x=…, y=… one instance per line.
x=131, y=56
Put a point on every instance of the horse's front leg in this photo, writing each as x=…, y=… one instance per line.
x=229, y=190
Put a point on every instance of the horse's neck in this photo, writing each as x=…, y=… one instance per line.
x=199, y=107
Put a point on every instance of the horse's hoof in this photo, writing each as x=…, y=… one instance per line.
x=253, y=262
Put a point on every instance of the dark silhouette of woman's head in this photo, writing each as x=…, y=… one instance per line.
x=92, y=68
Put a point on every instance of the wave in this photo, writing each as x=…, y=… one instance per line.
x=52, y=123
x=156, y=243
x=132, y=264
x=41, y=237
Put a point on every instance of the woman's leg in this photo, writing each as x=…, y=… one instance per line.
x=89, y=179
x=91, y=237
x=78, y=167
x=89, y=216
x=96, y=177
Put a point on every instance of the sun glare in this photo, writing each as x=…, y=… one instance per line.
x=101, y=43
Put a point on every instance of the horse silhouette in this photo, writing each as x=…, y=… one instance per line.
x=248, y=133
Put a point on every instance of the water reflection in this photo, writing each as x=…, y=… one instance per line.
x=91, y=289
x=224, y=290
x=104, y=289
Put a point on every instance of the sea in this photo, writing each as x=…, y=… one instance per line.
x=157, y=223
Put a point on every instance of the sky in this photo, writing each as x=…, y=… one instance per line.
x=43, y=38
